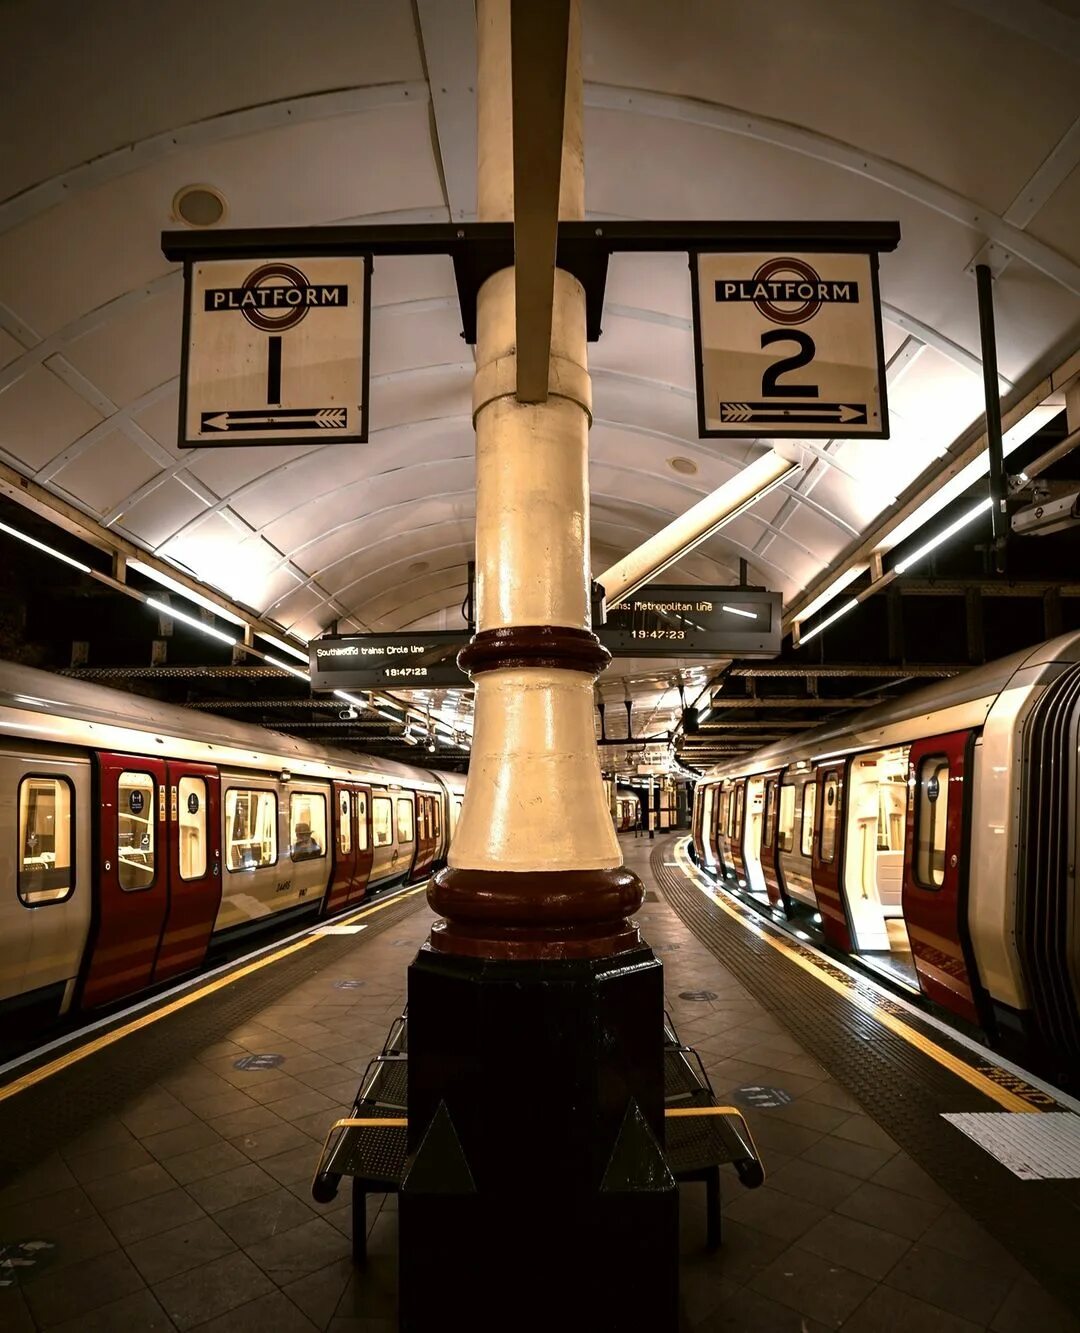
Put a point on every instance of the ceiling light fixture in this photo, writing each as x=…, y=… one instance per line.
x=181, y=590
x=943, y=536
x=284, y=666
x=829, y=620
x=291, y=649
x=174, y=614
x=49, y=550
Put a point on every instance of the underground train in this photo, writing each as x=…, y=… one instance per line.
x=627, y=812
x=935, y=837
x=136, y=835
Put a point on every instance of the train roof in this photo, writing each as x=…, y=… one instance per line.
x=44, y=695
x=967, y=698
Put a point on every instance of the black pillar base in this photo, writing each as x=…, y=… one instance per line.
x=536, y=1195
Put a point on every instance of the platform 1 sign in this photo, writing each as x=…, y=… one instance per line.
x=275, y=352
x=387, y=661
x=664, y=620
x=789, y=345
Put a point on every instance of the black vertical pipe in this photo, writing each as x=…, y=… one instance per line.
x=984, y=282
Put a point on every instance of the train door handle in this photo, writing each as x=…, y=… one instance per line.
x=954, y=860
x=394, y=856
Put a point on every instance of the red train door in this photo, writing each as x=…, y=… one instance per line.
x=194, y=868
x=738, y=860
x=827, y=859
x=935, y=870
x=132, y=898
x=343, y=870
x=365, y=851
x=425, y=834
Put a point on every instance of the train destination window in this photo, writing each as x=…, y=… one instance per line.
x=191, y=819
x=344, y=823
x=250, y=829
x=806, y=839
x=931, y=821
x=46, y=873
x=361, y=821
x=830, y=795
x=404, y=820
x=136, y=819
x=307, y=819
x=787, y=818
x=770, y=807
x=382, y=817
x=435, y=818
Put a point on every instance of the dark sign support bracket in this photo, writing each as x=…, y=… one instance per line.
x=480, y=249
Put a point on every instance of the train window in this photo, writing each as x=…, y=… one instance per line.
x=767, y=815
x=421, y=816
x=931, y=820
x=382, y=820
x=787, y=818
x=830, y=795
x=436, y=818
x=191, y=822
x=809, y=801
x=361, y=820
x=404, y=820
x=46, y=864
x=740, y=802
x=250, y=829
x=307, y=819
x=344, y=832
x=136, y=823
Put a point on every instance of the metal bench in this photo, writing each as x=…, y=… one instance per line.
x=369, y=1145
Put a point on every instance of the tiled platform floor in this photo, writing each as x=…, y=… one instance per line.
x=188, y=1205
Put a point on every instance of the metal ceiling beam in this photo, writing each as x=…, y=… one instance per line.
x=797, y=702
x=448, y=42
x=184, y=673
x=988, y=588
x=539, y=46
x=871, y=670
x=708, y=728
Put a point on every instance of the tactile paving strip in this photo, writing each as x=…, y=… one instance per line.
x=1033, y=1147
x=905, y=1091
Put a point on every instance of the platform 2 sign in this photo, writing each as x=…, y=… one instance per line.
x=275, y=352
x=686, y=621
x=789, y=345
x=387, y=661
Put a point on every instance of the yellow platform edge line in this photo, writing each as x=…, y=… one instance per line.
x=72, y=1057
x=1009, y=1101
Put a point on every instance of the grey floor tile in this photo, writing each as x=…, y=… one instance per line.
x=231, y=1187
x=257, y=1219
x=1029, y=1309
x=273, y=1313
x=194, y=1298
x=128, y=1186
x=248, y=1120
x=109, y=1161
x=179, y=1250
x=816, y=1184
x=147, y=1217
x=221, y=1103
x=861, y=1129
x=271, y=1141
x=889, y=1311
x=816, y=1288
x=856, y=1159
x=898, y=1213
x=318, y=1294
x=831, y=1094
x=213, y=1160
x=701, y=1292
x=957, y=1285
x=85, y=1286
x=102, y=1133
x=773, y=1212
x=959, y=1234
x=808, y=1114
x=173, y=1142
x=749, y=1312
x=303, y=1104
x=46, y=1177
x=304, y=1249
x=902, y=1174
x=867, y=1250
x=156, y=1119
x=298, y=1164
x=371, y=1294
x=138, y=1313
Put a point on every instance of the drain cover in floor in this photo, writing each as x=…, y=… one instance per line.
x=1042, y=1145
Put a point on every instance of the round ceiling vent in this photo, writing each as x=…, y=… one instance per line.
x=686, y=466
x=199, y=205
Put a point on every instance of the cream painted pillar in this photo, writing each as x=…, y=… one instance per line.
x=535, y=800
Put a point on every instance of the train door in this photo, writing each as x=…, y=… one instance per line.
x=194, y=868
x=404, y=854
x=753, y=825
x=828, y=852
x=343, y=869
x=365, y=851
x=425, y=835
x=935, y=870
x=770, y=822
x=722, y=815
x=707, y=825
x=132, y=897
x=735, y=832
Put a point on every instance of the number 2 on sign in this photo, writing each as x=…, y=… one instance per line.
x=770, y=388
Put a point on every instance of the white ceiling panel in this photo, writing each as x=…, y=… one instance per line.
x=104, y=474
x=39, y=416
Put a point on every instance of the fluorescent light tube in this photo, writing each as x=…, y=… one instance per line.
x=174, y=614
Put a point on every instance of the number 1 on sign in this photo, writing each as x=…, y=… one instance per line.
x=273, y=370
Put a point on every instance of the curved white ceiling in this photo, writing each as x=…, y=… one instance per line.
x=962, y=120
